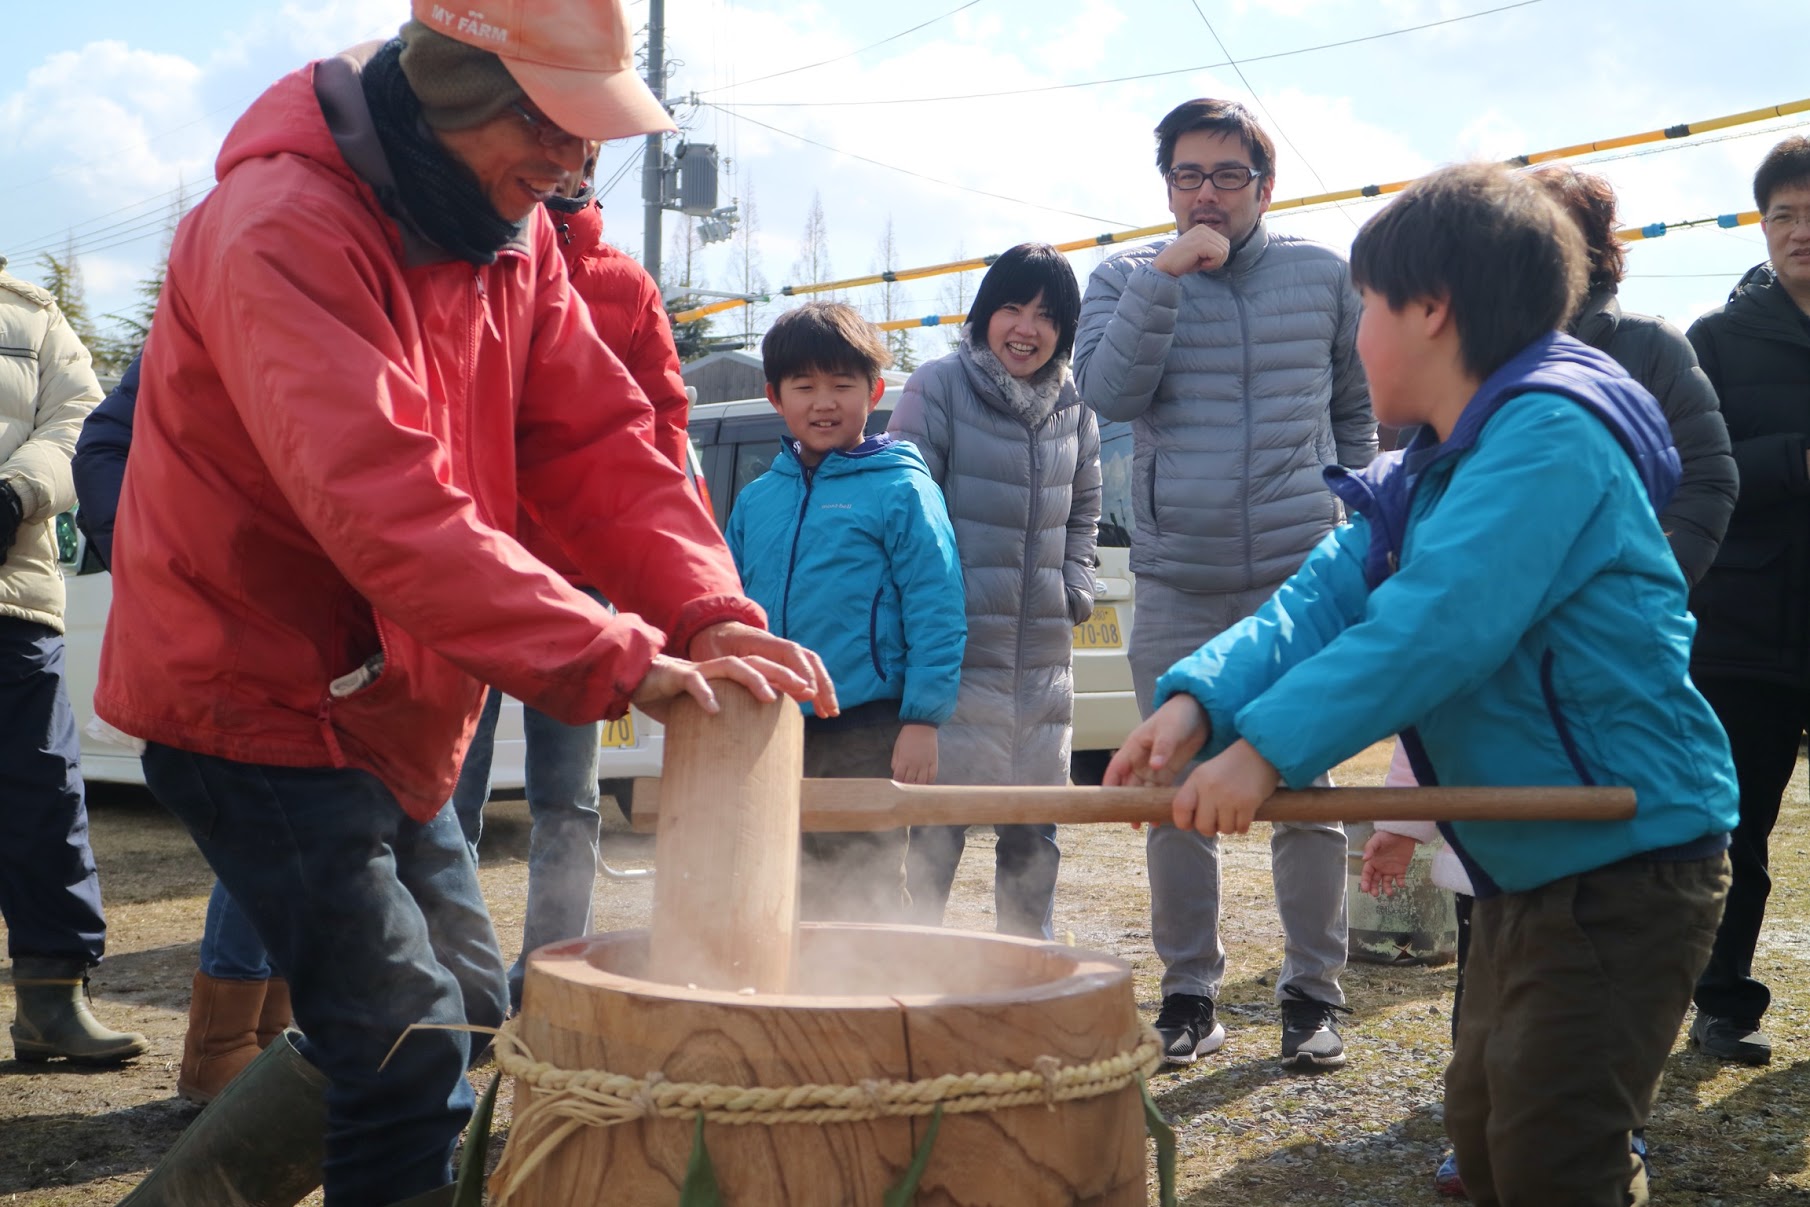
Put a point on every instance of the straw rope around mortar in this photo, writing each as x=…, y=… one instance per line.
x=568, y=1100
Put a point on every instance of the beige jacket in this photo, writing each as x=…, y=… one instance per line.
x=47, y=388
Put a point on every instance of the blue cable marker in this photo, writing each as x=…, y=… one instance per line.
x=1653, y=231
x=1728, y=221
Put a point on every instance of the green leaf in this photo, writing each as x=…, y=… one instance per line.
x=1164, y=1135
x=700, y=1176
x=903, y=1194
x=468, y=1191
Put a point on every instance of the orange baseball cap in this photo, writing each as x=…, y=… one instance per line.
x=574, y=58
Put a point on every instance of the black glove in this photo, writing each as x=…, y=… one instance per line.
x=12, y=513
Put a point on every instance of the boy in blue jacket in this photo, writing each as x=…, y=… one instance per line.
x=1504, y=598
x=847, y=545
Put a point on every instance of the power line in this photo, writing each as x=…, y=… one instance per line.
x=1125, y=79
x=919, y=175
x=851, y=54
x=1220, y=42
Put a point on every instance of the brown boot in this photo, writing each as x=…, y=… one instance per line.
x=276, y=1017
x=222, y=1037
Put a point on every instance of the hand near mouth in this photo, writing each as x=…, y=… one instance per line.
x=1199, y=249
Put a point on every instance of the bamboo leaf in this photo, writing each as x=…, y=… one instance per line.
x=903, y=1194
x=1164, y=1135
x=700, y=1188
x=468, y=1190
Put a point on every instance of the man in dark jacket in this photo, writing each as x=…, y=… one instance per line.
x=1752, y=653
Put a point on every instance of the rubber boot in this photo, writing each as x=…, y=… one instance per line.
x=259, y=1144
x=277, y=1015
x=222, y=1038
x=52, y=1018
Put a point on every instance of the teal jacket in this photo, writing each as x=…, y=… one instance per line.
x=1532, y=628
x=857, y=561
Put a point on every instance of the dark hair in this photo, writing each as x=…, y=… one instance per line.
x=1221, y=117
x=1785, y=165
x=1487, y=241
x=1588, y=201
x=1020, y=275
x=823, y=337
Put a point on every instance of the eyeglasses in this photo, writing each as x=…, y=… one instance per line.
x=1787, y=221
x=1226, y=180
x=549, y=134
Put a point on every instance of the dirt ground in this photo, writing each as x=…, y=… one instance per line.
x=1249, y=1133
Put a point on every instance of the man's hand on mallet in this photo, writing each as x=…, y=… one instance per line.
x=1197, y=249
x=789, y=667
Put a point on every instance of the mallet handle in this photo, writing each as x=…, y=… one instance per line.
x=851, y=804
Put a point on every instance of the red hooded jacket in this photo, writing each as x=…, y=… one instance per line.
x=629, y=314
x=334, y=426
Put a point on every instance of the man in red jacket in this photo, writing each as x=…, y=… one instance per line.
x=560, y=759
x=367, y=350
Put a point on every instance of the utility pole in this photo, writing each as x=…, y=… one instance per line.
x=653, y=162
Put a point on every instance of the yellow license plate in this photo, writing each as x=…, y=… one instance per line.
x=619, y=735
x=1100, y=631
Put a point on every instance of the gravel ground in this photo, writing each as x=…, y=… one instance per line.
x=1368, y=1134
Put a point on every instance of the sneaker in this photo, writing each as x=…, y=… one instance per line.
x=1309, y=1038
x=1187, y=1028
x=1737, y=1039
x=1446, y=1180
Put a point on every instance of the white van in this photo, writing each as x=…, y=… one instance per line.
x=737, y=441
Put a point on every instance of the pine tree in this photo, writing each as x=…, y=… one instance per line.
x=62, y=276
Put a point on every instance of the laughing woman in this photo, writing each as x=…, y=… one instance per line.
x=1018, y=458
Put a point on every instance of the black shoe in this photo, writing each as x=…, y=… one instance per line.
x=1309, y=1038
x=1188, y=1028
x=1737, y=1039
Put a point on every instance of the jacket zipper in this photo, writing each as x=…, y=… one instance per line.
x=1024, y=597
x=471, y=394
x=785, y=598
x=1559, y=723
x=1244, y=493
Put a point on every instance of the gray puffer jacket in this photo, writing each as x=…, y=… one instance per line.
x=1240, y=385
x=1657, y=355
x=1019, y=464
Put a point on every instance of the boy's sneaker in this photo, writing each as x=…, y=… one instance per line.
x=1737, y=1039
x=1309, y=1038
x=1446, y=1179
x=1187, y=1028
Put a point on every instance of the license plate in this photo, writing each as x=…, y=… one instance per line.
x=619, y=735
x=1099, y=631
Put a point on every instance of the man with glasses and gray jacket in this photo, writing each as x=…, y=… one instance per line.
x=1231, y=351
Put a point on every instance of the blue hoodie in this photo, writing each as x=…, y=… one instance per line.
x=1508, y=595
x=856, y=560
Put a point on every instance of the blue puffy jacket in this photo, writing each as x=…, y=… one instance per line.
x=100, y=461
x=856, y=559
x=1531, y=626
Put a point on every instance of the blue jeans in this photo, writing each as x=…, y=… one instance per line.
x=230, y=947
x=1026, y=860
x=561, y=774
x=378, y=923
x=50, y=893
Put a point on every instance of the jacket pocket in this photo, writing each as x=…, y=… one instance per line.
x=1559, y=724
x=873, y=634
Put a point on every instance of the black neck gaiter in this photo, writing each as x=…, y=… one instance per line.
x=434, y=192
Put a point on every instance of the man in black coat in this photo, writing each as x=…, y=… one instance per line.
x=1752, y=653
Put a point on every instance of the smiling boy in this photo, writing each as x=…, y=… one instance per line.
x=1506, y=600
x=846, y=538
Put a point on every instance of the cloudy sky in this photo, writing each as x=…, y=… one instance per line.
x=995, y=122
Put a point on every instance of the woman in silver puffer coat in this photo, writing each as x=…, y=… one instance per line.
x=1017, y=455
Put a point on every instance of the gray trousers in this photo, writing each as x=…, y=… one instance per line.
x=1307, y=860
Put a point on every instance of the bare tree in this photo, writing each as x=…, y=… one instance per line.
x=813, y=263
x=956, y=295
x=744, y=261
x=891, y=308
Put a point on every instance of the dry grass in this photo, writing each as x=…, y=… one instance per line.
x=1250, y=1134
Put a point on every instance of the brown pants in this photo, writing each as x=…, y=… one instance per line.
x=1573, y=995
x=857, y=876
